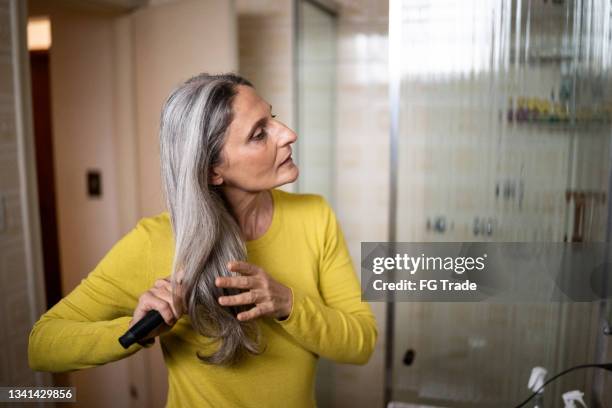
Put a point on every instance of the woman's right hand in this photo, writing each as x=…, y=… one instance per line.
x=159, y=298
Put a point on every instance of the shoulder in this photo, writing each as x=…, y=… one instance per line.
x=155, y=222
x=160, y=241
x=311, y=212
x=155, y=227
x=301, y=201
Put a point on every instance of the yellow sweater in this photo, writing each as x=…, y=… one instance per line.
x=304, y=249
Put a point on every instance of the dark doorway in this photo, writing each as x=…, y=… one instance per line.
x=41, y=106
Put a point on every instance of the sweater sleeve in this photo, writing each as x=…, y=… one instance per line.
x=82, y=329
x=338, y=325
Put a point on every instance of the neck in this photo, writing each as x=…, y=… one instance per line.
x=252, y=211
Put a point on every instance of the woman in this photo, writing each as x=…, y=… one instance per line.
x=261, y=282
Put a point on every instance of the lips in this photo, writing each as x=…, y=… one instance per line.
x=286, y=159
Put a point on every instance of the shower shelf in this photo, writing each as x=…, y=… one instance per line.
x=561, y=125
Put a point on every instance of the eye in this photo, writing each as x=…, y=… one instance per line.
x=260, y=136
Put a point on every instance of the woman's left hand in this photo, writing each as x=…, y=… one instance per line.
x=269, y=296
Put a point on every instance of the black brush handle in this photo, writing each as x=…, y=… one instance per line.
x=142, y=328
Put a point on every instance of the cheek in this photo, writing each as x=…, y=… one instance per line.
x=256, y=160
x=264, y=156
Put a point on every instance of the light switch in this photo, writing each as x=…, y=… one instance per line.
x=94, y=183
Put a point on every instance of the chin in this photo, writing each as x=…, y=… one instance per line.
x=291, y=176
x=297, y=173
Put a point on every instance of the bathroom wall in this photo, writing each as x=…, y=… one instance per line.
x=207, y=33
x=266, y=46
x=362, y=166
x=360, y=183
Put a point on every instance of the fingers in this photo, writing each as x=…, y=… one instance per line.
x=263, y=293
x=163, y=298
x=242, y=267
x=163, y=283
x=259, y=310
x=240, y=282
x=166, y=285
x=160, y=299
x=166, y=295
x=246, y=298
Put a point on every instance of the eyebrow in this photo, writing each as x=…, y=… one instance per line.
x=257, y=124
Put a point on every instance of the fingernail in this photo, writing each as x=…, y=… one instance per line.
x=221, y=300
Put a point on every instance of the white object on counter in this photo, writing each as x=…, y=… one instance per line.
x=536, y=380
x=571, y=397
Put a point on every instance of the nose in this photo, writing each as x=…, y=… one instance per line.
x=286, y=136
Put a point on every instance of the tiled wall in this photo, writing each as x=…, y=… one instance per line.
x=362, y=166
x=265, y=46
x=17, y=296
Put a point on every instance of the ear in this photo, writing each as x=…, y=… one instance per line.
x=214, y=177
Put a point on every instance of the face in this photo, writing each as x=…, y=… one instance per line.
x=256, y=155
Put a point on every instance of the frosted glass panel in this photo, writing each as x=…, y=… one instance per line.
x=504, y=125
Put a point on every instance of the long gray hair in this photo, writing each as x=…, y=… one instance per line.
x=194, y=120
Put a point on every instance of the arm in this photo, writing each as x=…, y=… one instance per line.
x=83, y=328
x=340, y=326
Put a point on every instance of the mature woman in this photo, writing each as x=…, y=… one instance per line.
x=236, y=333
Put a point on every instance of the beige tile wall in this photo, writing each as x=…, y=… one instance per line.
x=361, y=184
x=362, y=166
x=265, y=47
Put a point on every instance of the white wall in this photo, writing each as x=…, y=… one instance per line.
x=265, y=48
x=81, y=69
x=362, y=167
x=172, y=42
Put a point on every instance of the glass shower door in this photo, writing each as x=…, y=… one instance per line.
x=503, y=118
